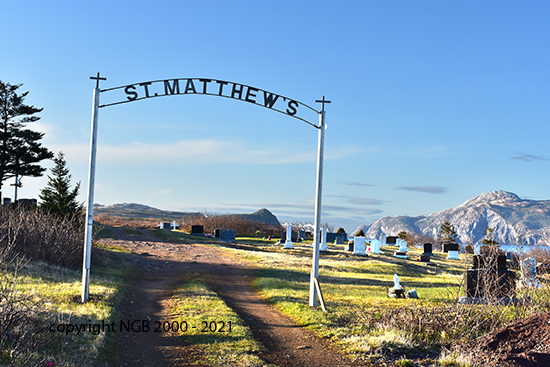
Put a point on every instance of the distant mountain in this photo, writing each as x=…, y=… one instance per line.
x=139, y=211
x=506, y=213
x=143, y=211
x=262, y=215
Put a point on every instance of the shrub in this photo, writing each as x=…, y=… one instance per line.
x=240, y=225
x=35, y=235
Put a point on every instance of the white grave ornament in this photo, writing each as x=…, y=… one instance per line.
x=288, y=243
x=359, y=245
x=174, y=226
x=396, y=284
x=324, y=246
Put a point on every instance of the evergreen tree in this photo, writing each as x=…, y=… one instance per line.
x=57, y=196
x=447, y=233
x=489, y=239
x=20, y=148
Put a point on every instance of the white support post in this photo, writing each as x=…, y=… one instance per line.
x=90, y=200
x=318, y=199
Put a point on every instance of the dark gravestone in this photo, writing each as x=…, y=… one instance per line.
x=428, y=249
x=351, y=246
x=227, y=235
x=165, y=225
x=333, y=237
x=501, y=262
x=490, y=278
x=302, y=234
x=424, y=258
x=450, y=247
x=197, y=230
x=479, y=262
x=391, y=240
x=293, y=236
x=217, y=233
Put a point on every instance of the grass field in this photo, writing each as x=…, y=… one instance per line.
x=361, y=319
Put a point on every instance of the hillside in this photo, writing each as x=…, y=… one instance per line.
x=505, y=212
x=133, y=210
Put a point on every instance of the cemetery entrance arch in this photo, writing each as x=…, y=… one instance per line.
x=213, y=87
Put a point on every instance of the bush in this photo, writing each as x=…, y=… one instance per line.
x=35, y=235
x=240, y=225
x=22, y=328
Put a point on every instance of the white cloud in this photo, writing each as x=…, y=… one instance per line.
x=204, y=151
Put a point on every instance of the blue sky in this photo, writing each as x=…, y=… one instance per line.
x=433, y=102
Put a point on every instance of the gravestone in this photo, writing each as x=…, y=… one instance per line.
x=337, y=238
x=164, y=225
x=428, y=250
x=391, y=240
x=324, y=246
x=383, y=240
x=375, y=246
x=359, y=245
x=227, y=235
x=402, y=253
x=288, y=243
x=403, y=246
x=450, y=247
x=529, y=272
x=197, y=230
x=174, y=226
x=424, y=258
x=351, y=245
x=489, y=278
x=302, y=235
x=452, y=255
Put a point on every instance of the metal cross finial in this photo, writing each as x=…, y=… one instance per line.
x=98, y=78
x=322, y=101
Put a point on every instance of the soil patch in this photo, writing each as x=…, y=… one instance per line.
x=524, y=343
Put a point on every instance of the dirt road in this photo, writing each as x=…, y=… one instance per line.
x=160, y=268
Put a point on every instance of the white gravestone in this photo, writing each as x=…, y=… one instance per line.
x=529, y=273
x=324, y=246
x=383, y=240
x=403, y=246
x=288, y=243
x=359, y=246
x=375, y=246
x=452, y=255
x=174, y=226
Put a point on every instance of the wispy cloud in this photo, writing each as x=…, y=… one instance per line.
x=354, y=183
x=522, y=156
x=425, y=189
x=359, y=201
x=203, y=151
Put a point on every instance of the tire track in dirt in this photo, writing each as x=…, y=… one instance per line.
x=160, y=269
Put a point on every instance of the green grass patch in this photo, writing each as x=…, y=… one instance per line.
x=60, y=289
x=214, y=327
